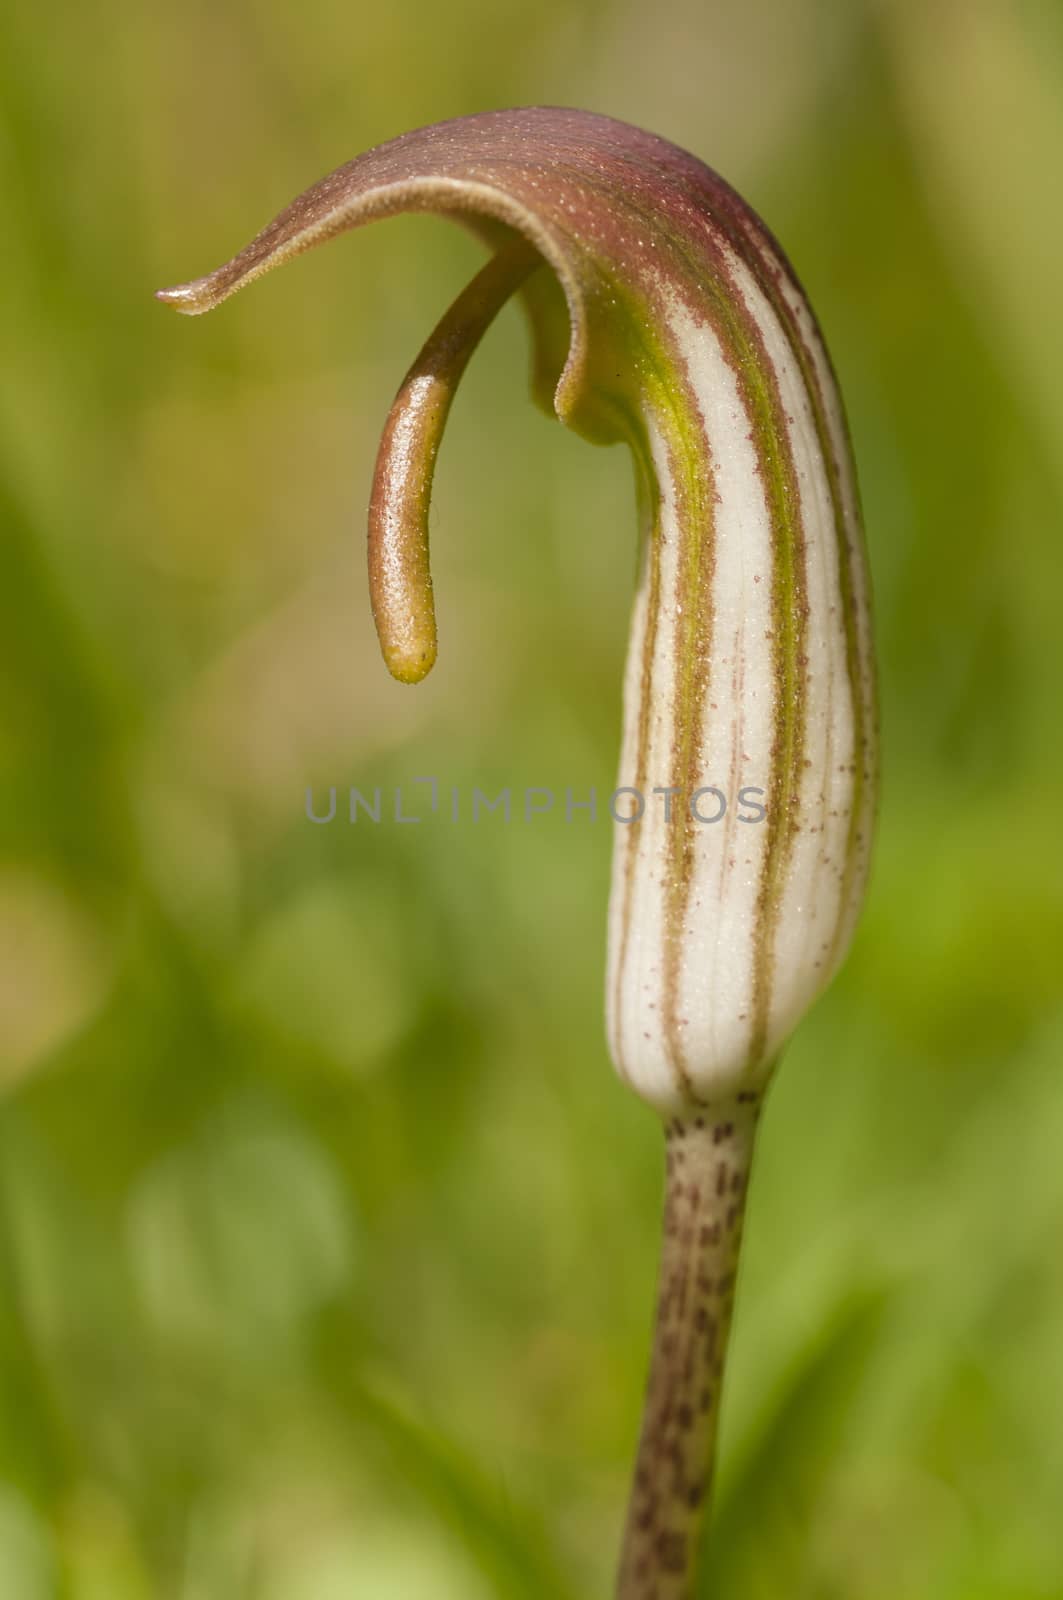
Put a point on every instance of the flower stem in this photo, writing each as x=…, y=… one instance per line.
x=707, y=1165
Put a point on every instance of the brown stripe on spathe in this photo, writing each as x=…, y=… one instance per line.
x=857, y=668
x=719, y=301
x=790, y=608
x=790, y=612
x=651, y=488
x=695, y=495
x=742, y=345
x=726, y=216
x=767, y=262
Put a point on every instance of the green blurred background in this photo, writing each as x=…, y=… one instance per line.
x=328, y=1238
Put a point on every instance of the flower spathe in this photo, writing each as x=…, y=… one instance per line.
x=665, y=316
x=683, y=332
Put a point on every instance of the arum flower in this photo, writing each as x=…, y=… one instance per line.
x=665, y=317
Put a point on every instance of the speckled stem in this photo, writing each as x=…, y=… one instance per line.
x=707, y=1162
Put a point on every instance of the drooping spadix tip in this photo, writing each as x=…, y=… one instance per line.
x=400, y=580
x=191, y=299
x=412, y=658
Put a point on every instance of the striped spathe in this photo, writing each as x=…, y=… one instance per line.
x=665, y=316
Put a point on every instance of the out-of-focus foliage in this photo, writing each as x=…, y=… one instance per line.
x=328, y=1237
